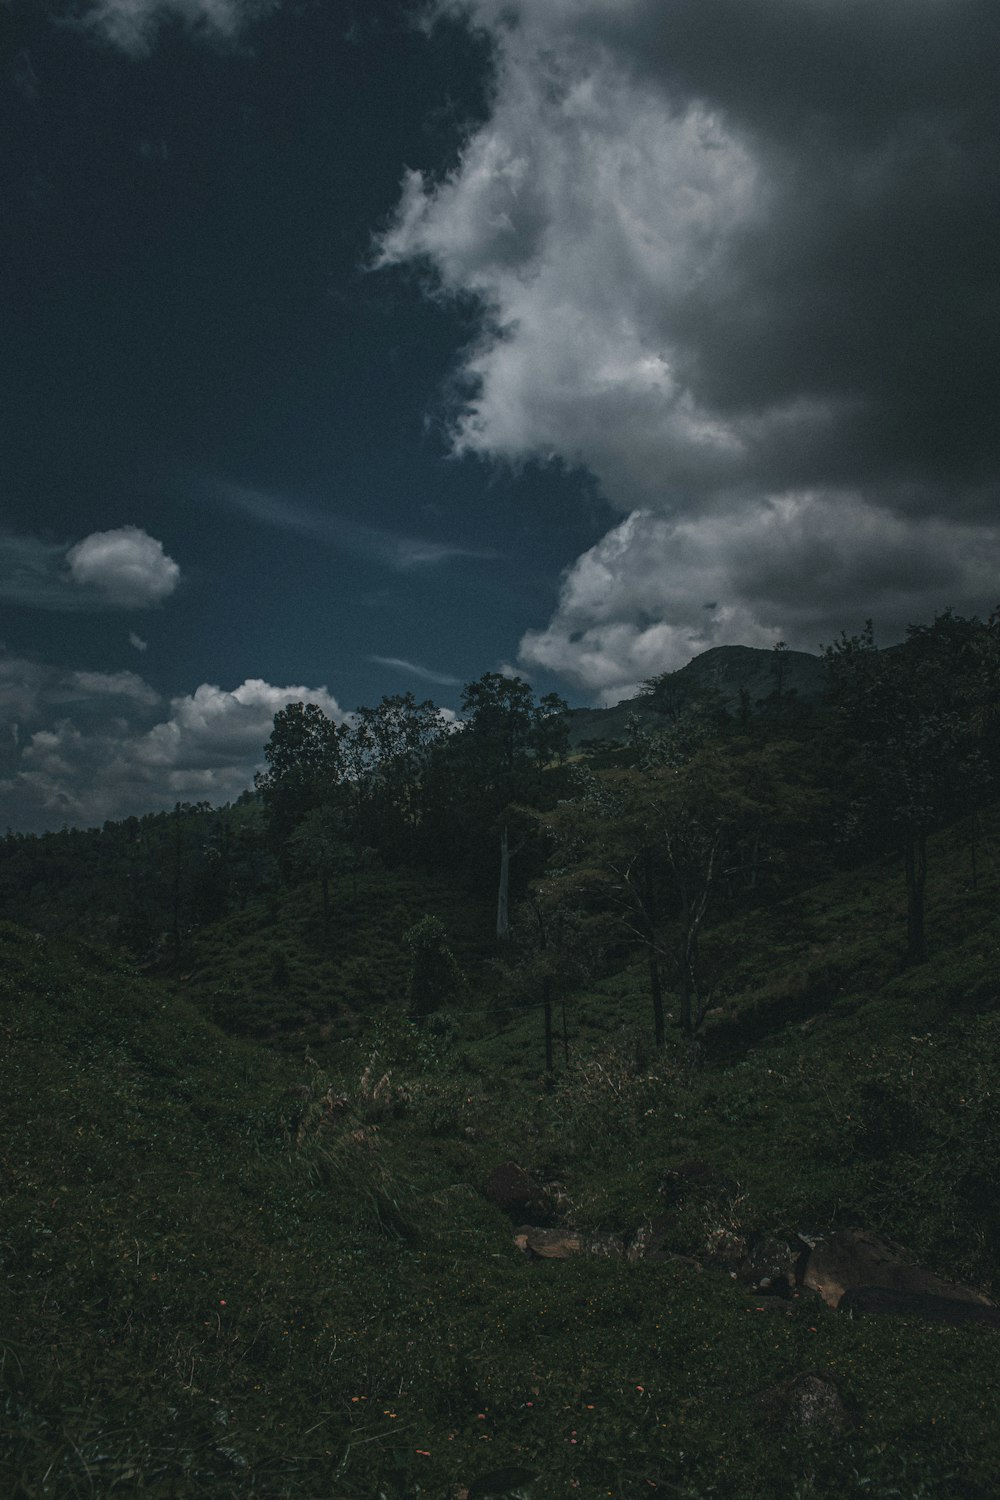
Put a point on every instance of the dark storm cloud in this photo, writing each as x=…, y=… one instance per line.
x=872, y=278
x=739, y=259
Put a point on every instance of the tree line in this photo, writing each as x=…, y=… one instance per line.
x=711, y=809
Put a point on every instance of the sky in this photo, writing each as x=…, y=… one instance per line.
x=361, y=348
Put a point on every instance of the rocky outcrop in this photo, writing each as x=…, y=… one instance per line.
x=649, y=1241
x=851, y=1260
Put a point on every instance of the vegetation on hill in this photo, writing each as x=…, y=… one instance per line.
x=314, y=1186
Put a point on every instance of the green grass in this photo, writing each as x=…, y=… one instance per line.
x=228, y=1272
x=281, y=973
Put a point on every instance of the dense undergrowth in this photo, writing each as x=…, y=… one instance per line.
x=230, y=1271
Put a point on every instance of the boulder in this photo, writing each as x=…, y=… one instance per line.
x=602, y=1242
x=549, y=1244
x=852, y=1259
x=933, y=1309
x=809, y=1400
x=560, y=1244
x=724, y=1247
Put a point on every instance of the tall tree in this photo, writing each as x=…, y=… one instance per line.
x=662, y=848
x=387, y=751
x=304, y=757
x=909, y=713
x=507, y=747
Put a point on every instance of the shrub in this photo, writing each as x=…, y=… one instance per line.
x=434, y=972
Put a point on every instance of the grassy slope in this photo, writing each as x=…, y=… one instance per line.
x=219, y=1283
x=279, y=972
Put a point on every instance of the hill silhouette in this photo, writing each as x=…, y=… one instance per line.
x=719, y=675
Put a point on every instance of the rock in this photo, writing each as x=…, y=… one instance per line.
x=560, y=1244
x=514, y=1190
x=603, y=1242
x=769, y=1264
x=933, y=1309
x=550, y=1244
x=726, y=1248
x=808, y=1400
x=852, y=1259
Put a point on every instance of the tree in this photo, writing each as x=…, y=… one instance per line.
x=508, y=745
x=508, y=737
x=661, y=848
x=909, y=715
x=387, y=750
x=316, y=848
x=304, y=766
x=434, y=972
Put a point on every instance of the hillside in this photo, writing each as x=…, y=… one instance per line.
x=228, y=1272
x=720, y=674
x=459, y=1116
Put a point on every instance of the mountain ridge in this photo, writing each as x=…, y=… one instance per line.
x=722, y=672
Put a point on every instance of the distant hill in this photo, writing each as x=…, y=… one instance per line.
x=722, y=672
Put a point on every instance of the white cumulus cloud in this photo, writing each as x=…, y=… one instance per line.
x=126, y=566
x=796, y=567
x=80, y=747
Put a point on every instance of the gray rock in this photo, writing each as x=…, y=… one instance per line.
x=852, y=1259
x=810, y=1400
x=769, y=1264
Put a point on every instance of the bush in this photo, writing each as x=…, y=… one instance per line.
x=434, y=972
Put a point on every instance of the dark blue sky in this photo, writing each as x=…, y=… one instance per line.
x=342, y=355
x=186, y=310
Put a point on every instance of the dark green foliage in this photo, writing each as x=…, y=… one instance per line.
x=916, y=716
x=229, y=1274
x=434, y=974
x=304, y=764
x=128, y=881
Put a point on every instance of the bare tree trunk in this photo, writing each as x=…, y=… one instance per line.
x=684, y=993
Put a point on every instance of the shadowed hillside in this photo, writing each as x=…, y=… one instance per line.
x=309, y=1259
x=320, y=1179
x=720, y=675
